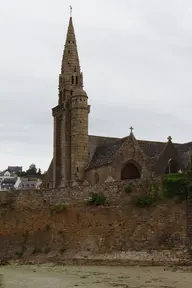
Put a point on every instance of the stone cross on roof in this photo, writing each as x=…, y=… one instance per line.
x=169, y=138
x=131, y=129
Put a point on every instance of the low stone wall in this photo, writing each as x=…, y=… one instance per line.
x=75, y=193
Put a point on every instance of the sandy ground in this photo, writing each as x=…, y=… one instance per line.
x=95, y=276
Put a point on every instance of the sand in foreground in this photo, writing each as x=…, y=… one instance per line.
x=95, y=276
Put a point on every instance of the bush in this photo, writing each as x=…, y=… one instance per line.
x=128, y=188
x=97, y=199
x=59, y=208
x=145, y=200
x=176, y=185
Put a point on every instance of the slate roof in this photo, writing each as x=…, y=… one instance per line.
x=15, y=169
x=104, y=153
x=9, y=181
x=151, y=148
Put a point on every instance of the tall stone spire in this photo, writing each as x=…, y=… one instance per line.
x=70, y=155
x=71, y=77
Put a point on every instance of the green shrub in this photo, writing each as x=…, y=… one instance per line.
x=128, y=188
x=58, y=208
x=97, y=199
x=145, y=200
x=152, y=190
x=176, y=185
x=37, y=250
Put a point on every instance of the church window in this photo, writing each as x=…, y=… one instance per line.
x=68, y=51
x=72, y=79
x=75, y=69
x=77, y=169
x=172, y=167
x=76, y=79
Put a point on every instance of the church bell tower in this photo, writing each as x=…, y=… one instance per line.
x=70, y=153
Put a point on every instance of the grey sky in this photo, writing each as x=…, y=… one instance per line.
x=136, y=57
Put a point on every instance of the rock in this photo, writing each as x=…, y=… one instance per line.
x=85, y=183
x=74, y=184
x=109, y=179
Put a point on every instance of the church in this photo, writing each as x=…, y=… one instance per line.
x=79, y=157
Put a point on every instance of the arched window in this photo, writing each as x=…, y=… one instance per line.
x=131, y=170
x=172, y=167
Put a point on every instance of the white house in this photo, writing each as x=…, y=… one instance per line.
x=10, y=173
x=25, y=183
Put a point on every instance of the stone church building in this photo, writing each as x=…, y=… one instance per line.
x=78, y=156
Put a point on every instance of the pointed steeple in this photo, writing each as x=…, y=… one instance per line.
x=70, y=67
x=71, y=76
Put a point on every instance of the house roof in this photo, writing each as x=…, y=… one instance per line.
x=9, y=180
x=15, y=169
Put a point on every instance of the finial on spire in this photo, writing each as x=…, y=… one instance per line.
x=131, y=129
x=169, y=138
x=70, y=7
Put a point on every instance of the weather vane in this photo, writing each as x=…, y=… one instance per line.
x=70, y=10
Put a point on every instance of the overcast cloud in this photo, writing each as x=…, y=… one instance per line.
x=136, y=57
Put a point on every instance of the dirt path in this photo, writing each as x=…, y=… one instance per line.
x=93, y=276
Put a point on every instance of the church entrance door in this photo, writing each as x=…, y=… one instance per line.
x=131, y=171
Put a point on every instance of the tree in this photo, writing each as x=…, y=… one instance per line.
x=32, y=170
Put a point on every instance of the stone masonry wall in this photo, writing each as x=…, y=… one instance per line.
x=30, y=224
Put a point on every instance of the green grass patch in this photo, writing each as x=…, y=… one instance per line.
x=128, y=188
x=145, y=200
x=97, y=199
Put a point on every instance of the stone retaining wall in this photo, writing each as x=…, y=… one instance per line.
x=29, y=228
